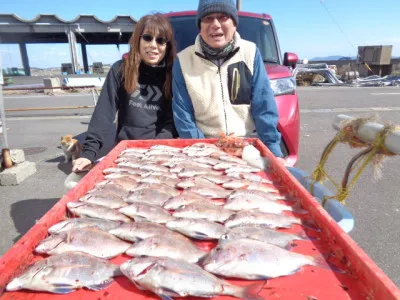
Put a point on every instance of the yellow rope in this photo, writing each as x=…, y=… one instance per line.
x=348, y=135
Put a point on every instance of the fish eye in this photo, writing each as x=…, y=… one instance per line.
x=225, y=237
x=218, y=249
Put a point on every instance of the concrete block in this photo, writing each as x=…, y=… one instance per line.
x=17, y=173
x=17, y=156
x=50, y=83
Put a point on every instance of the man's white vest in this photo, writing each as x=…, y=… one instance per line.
x=207, y=85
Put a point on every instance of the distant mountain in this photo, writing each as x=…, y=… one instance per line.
x=332, y=57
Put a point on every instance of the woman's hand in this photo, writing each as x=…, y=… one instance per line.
x=81, y=165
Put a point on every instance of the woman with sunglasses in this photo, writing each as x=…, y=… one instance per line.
x=137, y=89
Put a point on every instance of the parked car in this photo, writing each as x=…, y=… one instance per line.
x=260, y=29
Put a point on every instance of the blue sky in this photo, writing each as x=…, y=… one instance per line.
x=304, y=27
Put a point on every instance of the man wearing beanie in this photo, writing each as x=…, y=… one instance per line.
x=220, y=83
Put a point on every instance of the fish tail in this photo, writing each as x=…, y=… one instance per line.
x=250, y=292
x=297, y=208
x=321, y=262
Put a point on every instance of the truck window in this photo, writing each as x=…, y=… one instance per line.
x=256, y=30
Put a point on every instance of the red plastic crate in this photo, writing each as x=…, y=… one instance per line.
x=363, y=279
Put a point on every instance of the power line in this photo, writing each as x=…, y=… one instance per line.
x=337, y=23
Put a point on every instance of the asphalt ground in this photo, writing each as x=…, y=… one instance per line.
x=374, y=203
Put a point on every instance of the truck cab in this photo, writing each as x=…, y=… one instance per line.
x=259, y=28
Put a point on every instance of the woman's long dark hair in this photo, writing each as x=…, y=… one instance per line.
x=156, y=23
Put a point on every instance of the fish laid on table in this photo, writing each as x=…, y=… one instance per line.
x=122, y=169
x=180, y=166
x=133, y=166
x=195, y=171
x=246, y=202
x=146, y=212
x=127, y=183
x=176, y=278
x=160, y=179
x=167, y=246
x=257, y=193
x=242, y=169
x=197, y=228
x=203, y=210
x=69, y=224
x=262, y=234
x=159, y=187
x=112, y=176
x=104, y=200
x=137, y=231
x=132, y=154
x=133, y=149
x=166, y=148
x=63, y=273
x=154, y=167
x=186, y=198
x=254, y=178
x=262, y=187
x=233, y=159
x=148, y=196
x=256, y=217
x=253, y=260
x=207, y=160
x=112, y=189
x=224, y=165
x=210, y=192
x=89, y=240
x=83, y=209
x=234, y=184
x=217, y=179
x=194, y=181
x=163, y=174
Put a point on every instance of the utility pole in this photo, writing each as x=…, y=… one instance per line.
x=239, y=4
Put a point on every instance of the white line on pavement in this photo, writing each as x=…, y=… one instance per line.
x=46, y=118
x=344, y=110
x=45, y=96
x=380, y=94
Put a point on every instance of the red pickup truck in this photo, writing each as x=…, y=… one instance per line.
x=260, y=29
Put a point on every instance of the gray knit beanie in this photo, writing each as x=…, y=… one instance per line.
x=207, y=7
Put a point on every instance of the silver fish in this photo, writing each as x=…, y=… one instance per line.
x=195, y=171
x=180, y=166
x=165, y=148
x=107, y=201
x=244, y=202
x=257, y=193
x=254, y=178
x=233, y=159
x=176, y=278
x=126, y=183
x=235, y=184
x=167, y=246
x=154, y=167
x=111, y=189
x=69, y=224
x=164, y=174
x=262, y=187
x=82, y=209
x=217, y=179
x=132, y=154
x=254, y=260
x=157, y=186
x=242, y=169
x=157, y=158
x=194, y=181
x=160, y=179
x=262, y=234
x=63, y=273
x=112, y=176
x=207, y=160
x=197, y=228
x=122, y=169
x=148, y=196
x=203, y=210
x=146, y=212
x=137, y=231
x=133, y=149
x=185, y=198
x=89, y=240
x=255, y=217
x=223, y=166
x=132, y=166
x=211, y=192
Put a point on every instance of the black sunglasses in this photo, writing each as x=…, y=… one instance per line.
x=147, y=37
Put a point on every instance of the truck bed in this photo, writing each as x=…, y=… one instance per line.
x=361, y=278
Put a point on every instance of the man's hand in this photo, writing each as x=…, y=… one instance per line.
x=81, y=165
